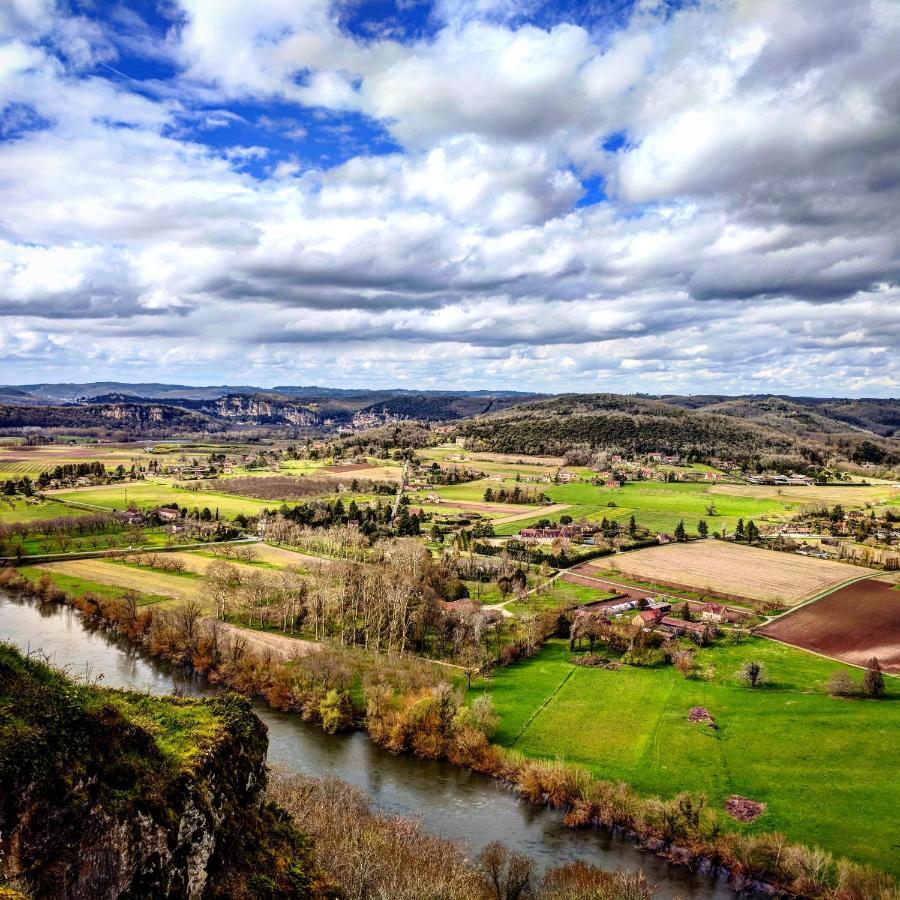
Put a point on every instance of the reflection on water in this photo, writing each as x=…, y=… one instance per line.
x=450, y=801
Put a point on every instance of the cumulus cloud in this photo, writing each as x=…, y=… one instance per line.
x=690, y=200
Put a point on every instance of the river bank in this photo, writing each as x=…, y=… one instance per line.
x=612, y=807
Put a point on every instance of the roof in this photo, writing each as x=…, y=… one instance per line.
x=713, y=608
x=649, y=615
x=680, y=623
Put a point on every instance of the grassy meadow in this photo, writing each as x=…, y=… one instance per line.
x=822, y=765
x=143, y=494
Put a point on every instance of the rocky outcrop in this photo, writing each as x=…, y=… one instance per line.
x=106, y=793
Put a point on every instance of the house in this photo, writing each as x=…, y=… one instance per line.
x=613, y=483
x=713, y=612
x=134, y=517
x=647, y=618
x=164, y=514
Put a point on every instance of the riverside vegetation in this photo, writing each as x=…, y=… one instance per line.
x=410, y=706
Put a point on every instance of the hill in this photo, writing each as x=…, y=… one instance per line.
x=611, y=421
x=802, y=415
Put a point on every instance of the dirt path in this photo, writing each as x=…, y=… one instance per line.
x=284, y=646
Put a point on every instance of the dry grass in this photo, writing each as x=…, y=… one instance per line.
x=733, y=569
x=810, y=496
x=145, y=581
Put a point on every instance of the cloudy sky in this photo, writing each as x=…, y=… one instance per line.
x=625, y=195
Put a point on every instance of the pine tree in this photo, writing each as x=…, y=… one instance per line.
x=739, y=530
x=680, y=533
x=702, y=528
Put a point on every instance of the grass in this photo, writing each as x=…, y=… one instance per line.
x=819, y=763
x=16, y=509
x=558, y=593
x=76, y=585
x=144, y=494
x=126, y=577
x=42, y=545
x=660, y=506
x=181, y=730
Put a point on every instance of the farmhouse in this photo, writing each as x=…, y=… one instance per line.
x=648, y=617
x=713, y=612
x=164, y=514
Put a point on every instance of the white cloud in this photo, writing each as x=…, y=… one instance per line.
x=749, y=240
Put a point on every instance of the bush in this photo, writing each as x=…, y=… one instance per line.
x=752, y=674
x=842, y=685
x=336, y=712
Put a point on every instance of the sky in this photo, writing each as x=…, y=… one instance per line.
x=587, y=195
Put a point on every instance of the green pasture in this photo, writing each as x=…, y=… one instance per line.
x=557, y=593
x=17, y=509
x=822, y=765
x=145, y=494
x=659, y=505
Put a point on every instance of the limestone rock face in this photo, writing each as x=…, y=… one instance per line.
x=98, y=801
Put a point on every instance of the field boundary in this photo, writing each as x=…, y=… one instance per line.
x=820, y=596
x=542, y=706
x=835, y=659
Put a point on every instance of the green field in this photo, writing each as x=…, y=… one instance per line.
x=557, y=593
x=16, y=509
x=824, y=766
x=660, y=505
x=144, y=494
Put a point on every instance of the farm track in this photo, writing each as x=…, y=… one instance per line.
x=282, y=645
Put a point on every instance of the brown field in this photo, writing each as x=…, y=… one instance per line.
x=548, y=511
x=733, y=570
x=281, y=557
x=366, y=470
x=853, y=624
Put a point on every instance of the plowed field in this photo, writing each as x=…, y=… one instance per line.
x=853, y=624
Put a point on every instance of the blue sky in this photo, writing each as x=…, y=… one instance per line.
x=628, y=196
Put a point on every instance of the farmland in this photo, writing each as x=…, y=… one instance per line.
x=16, y=509
x=731, y=570
x=853, y=624
x=818, y=762
x=152, y=493
x=146, y=581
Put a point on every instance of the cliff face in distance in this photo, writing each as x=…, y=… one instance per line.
x=108, y=793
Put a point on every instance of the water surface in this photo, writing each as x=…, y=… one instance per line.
x=450, y=801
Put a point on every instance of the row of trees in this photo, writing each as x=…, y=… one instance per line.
x=516, y=494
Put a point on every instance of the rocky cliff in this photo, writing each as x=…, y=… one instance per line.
x=107, y=794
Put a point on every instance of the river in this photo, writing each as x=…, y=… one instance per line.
x=450, y=801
